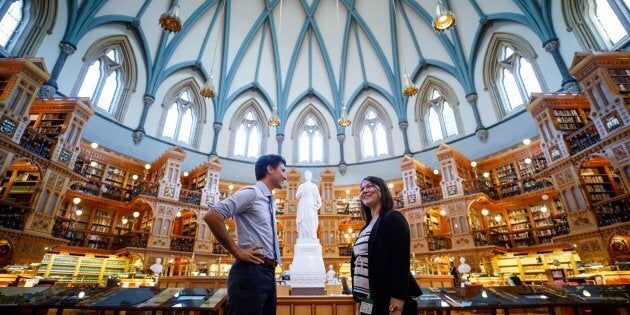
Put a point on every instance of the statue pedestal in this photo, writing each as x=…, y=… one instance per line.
x=308, y=274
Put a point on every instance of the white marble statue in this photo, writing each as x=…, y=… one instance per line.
x=331, y=275
x=309, y=202
x=157, y=267
x=463, y=269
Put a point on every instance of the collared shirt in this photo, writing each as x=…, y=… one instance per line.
x=250, y=208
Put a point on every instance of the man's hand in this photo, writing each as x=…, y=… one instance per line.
x=250, y=255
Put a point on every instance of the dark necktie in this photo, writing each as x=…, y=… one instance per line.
x=273, y=228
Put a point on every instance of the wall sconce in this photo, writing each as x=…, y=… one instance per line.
x=436, y=171
x=185, y=174
x=484, y=211
x=136, y=214
x=498, y=218
x=442, y=212
x=178, y=214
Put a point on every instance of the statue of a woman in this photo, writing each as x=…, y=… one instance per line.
x=309, y=202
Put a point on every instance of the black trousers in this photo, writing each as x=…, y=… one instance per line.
x=251, y=289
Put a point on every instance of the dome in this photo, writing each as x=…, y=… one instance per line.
x=308, y=62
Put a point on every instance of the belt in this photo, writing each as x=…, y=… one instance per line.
x=269, y=262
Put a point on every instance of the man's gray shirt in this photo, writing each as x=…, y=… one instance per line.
x=250, y=208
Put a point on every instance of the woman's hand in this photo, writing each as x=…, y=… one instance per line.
x=398, y=303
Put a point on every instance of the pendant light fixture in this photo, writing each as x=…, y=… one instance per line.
x=443, y=19
x=170, y=20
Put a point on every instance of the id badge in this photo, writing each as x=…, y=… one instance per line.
x=366, y=306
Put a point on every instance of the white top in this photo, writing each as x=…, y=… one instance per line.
x=360, y=281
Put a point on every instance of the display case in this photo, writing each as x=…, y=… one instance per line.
x=81, y=269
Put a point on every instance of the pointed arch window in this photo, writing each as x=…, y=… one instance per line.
x=516, y=80
x=248, y=135
x=11, y=20
x=599, y=24
x=437, y=111
x=310, y=141
x=373, y=134
x=180, y=118
x=440, y=118
x=102, y=81
x=109, y=75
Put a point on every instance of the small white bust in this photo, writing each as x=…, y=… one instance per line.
x=463, y=266
x=157, y=267
x=330, y=275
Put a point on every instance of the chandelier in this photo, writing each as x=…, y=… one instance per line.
x=443, y=19
x=170, y=20
x=410, y=89
x=274, y=121
x=208, y=89
x=343, y=119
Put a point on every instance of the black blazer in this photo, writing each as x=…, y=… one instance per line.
x=388, y=260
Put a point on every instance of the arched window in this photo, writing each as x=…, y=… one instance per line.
x=11, y=20
x=516, y=79
x=598, y=24
x=24, y=24
x=372, y=131
x=510, y=73
x=437, y=109
x=109, y=75
x=183, y=114
x=310, y=142
x=179, y=122
x=248, y=132
x=310, y=136
x=102, y=81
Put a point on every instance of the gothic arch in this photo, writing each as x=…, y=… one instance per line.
x=447, y=92
x=299, y=123
x=198, y=107
x=359, y=120
x=491, y=67
x=129, y=73
x=238, y=116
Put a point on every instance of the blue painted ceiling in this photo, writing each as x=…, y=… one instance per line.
x=291, y=50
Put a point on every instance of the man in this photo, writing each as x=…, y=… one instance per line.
x=251, y=282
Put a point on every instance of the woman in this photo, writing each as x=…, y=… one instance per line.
x=381, y=280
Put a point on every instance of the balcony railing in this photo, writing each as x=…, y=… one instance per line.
x=613, y=210
x=478, y=185
x=431, y=195
x=37, y=143
x=145, y=188
x=582, y=138
x=12, y=215
x=182, y=243
x=439, y=242
x=218, y=249
x=190, y=196
x=137, y=239
x=345, y=251
x=103, y=190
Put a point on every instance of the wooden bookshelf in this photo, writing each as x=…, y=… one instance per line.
x=48, y=124
x=19, y=183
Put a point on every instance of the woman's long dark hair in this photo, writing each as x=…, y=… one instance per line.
x=387, y=201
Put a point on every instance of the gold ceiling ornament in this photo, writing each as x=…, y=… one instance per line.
x=343, y=119
x=170, y=20
x=443, y=19
x=208, y=89
x=274, y=121
x=410, y=89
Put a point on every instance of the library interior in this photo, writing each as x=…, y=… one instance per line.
x=500, y=127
